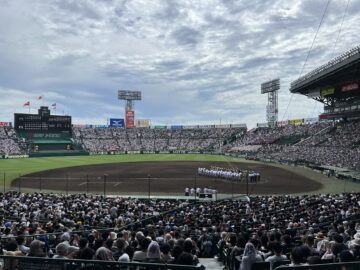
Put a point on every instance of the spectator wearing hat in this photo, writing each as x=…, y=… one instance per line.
x=153, y=253
x=36, y=249
x=104, y=254
x=61, y=251
x=298, y=256
x=65, y=238
x=354, y=245
x=250, y=257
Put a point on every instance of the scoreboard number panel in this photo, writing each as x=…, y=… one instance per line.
x=28, y=122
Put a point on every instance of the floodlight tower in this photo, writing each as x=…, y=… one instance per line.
x=129, y=97
x=271, y=88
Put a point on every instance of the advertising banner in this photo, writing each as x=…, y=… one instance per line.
x=262, y=125
x=310, y=120
x=142, y=123
x=160, y=127
x=117, y=122
x=296, y=121
x=239, y=126
x=176, y=127
x=206, y=126
x=130, y=119
x=222, y=126
x=5, y=124
x=350, y=87
x=282, y=123
x=327, y=91
x=190, y=127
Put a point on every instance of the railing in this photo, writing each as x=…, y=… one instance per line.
x=323, y=131
x=35, y=263
x=327, y=266
x=285, y=265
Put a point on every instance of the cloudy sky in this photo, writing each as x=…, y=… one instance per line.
x=196, y=62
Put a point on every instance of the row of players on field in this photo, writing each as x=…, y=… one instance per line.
x=228, y=174
x=205, y=191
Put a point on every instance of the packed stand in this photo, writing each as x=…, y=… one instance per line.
x=10, y=143
x=261, y=136
x=264, y=228
x=323, y=143
x=103, y=140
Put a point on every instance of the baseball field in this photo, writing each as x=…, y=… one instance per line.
x=158, y=174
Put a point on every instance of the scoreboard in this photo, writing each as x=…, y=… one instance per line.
x=42, y=122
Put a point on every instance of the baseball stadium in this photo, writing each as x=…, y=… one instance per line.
x=208, y=183
x=282, y=194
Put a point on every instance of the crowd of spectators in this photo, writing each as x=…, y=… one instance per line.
x=97, y=140
x=321, y=155
x=261, y=228
x=262, y=135
x=10, y=143
x=323, y=143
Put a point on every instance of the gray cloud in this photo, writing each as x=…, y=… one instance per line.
x=185, y=35
x=195, y=61
x=79, y=9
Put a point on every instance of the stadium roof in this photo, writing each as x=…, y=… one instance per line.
x=311, y=80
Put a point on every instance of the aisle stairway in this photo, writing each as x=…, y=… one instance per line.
x=211, y=263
